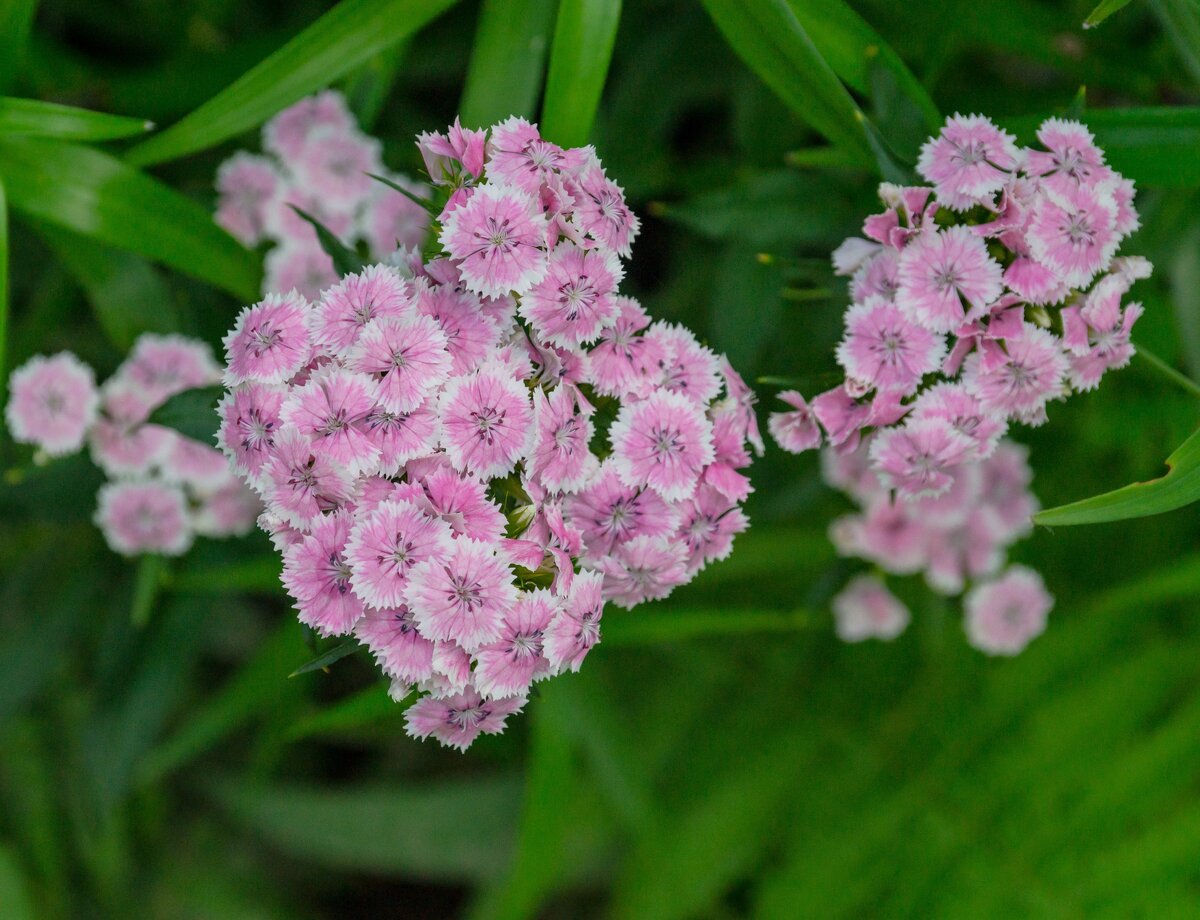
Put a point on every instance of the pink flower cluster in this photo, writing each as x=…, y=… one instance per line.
x=463, y=459
x=165, y=489
x=317, y=159
x=976, y=301
x=955, y=539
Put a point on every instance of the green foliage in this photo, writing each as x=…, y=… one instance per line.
x=505, y=70
x=32, y=118
x=1103, y=11
x=584, y=33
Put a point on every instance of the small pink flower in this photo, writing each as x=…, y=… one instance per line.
x=944, y=274
x=456, y=721
x=969, y=161
x=576, y=299
x=401, y=652
x=1004, y=615
x=336, y=164
x=407, y=358
x=300, y=267
x=601, y=211
x=610, y=513
x=853, y=254
x=519, y=157
x=229, y=511
x=891, y=535
x=393, y=221
x=447, y=154
x=165, y=365
x=269, y=342
x=346, y=309
x=317, y=575
x=471, y=334
x=1073, y=230
x=463, y=503
x=510, y=665
x=1107, y=349
x=52, y=403
x=576, y=626
x=972, y=549
x=672, y=359
x=644, y=569
x=249, y=422
x=486, y=421
x=144, y=517
x=331, y=409
x=194, y=465
x=496, y=238
x=866, y=609
x=917, y=459
x=1006, y=480
x=663, y=442
x=561, y=458
x=708, y=525
x=287, y=133
x=463, y=598
x=386, y=543
x=1071, y=156
x=245, y=185
x=880, y=277
x=841, y=415
x=885, y=350
x=1030, y=374
x=299, y=483
x=614, y=364
x=953, y=403
x=796, y=430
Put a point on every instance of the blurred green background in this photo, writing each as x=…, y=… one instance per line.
x=721, y=754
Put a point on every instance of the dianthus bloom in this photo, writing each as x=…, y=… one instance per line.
x=479, y=450
x=165, y=488
x=316, y=158
x=978, y=300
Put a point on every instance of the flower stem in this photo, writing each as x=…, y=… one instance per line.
x=148, y=579
x=1179, y=379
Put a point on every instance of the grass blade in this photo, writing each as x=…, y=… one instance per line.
x=583, y=42
x=66, y=123
x=96, y=195
x=1102, y=12
x=3, y=287
x=338, y=43
x=507, y=61
x=16, y=19
x=324, y=660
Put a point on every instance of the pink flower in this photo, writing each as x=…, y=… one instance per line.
x=576, y=625
x=463, y=503
x=708, y=525
x=1002, y=616
x=165, y=365
x=299, y=483
x=401, y=652
x=944, y=274
x=496, y=239
x=393, y=221
x=613, y=365
x=408, y=360
x=663, y=442
x=317, y=575
x=969, y=161
x=386, y=543
x=229, y=511
x=269, y=342
x=331, y=409
x=610, y=513
x=471, y=334
x=645, y=568
x=885, y=350
x=144, y=517
x=841, y=415
x=671, y=359
x=917, y=459
x=1071, y=156
x=1074, y=231
x=1006, y=479
x=486, y=421
x=346, y=309
x=953, y=403
x=300, y=267
x=510, y=665
x=249, y=422
x=445, y=153
x=561, y=458
x=52, y=403
x=795, y=431
x=866, y=609
x=576, y=299
x=335, y=165
x=194, y=465
x=401, y=436
x=463, y=598
x=519, y=157
x=287, y=133
x=456, y=721
x=891, y=535
x=245, y=184
x=601, y=211
x=1030, y=374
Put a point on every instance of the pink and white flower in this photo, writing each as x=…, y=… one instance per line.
x=1004, y=615
x=52, y=403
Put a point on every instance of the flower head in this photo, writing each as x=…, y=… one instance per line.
x=1004, y=615
x=52, y=403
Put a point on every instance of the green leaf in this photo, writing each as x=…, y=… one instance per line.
x=148, y=581
x=98, y=196
x=852, y=48
x=126, y=293
x=584, y=34
x=16, y=20
x=192, y=413
x=767, y=35
x=449, y=830
x=507, y=59
x=1105, y=9
x=1181, y=22
x=1179, y=487
x=64, y=122
x=345, y=259
x=3, y=286
x=359, y=710
x=367, y=91
x=324, y=660
x=681, y=625
x=338, y=43
x=14, y=892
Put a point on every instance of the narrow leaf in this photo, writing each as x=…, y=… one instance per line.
x=192, y=413
x=64, y=122
x=16, y=20
x=345, y=259
x=425, y=203
x=583, y=43
x=98, y=196
x=1102, y=12
x=1181, y=23
x=337, y=653
x=359, y=710
x=3, y=287
x=767, y=35
x=681, y=625
x=1179, y=487
x=147, y=582
x=367, y=91
x=507, y=61
x=338, y=43
x=14, y=891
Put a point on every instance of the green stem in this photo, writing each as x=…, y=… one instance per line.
x=149, y=578
x=1180, y=380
